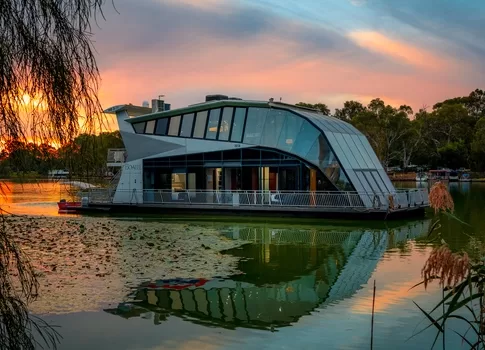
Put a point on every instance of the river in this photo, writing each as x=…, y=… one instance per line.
x=306, y=285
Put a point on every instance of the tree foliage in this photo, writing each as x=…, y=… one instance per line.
x=322, y=107
x=452, y=134
x=48, y=73
x=48, y=87
x=85, y=156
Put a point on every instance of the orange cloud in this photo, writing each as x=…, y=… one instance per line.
x=399, y=50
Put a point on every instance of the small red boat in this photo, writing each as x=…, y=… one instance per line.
x=68, y=207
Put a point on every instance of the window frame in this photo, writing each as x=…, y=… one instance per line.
x=191, y=127
x=170, y=124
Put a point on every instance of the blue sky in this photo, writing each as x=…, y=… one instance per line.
x=415, y=52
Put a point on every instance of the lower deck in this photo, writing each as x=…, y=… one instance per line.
x=268, y=203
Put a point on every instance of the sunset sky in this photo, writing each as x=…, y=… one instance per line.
x=416, y=52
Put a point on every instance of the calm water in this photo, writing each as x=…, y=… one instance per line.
x=306, y=286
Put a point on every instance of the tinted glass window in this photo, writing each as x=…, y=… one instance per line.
x=200, y=121
x=187, y=122
x=355, y=151
x=225, y=123
x=238, y=124
x=343, y=182
x=173, y=128
x=150, y=129
x=272, y=127
x=254, y=125
x=213, y=124
x=366, y=186
x=139, y=128
x=305, y=139
x=363, y=152
x=346, y=150
x=289, y=131
x=321, y=154
x=161, y=128
x=338, y=150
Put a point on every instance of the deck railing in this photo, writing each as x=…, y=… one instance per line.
x=297, y=199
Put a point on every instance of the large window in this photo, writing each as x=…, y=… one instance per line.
x=254, y=125
x=200, y=122
x=139, y=128
x=290, y=130
x=272, y=127
x=213, y=124
x=305, y=139
x=225, y=123
x=187, y=122
x=150, y=127
x=173, y=128
x=161, y=128
x=238, y=124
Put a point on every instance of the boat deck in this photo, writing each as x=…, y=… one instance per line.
x=314, y=204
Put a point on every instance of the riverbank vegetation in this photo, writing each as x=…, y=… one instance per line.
x=85, y=156
x=449, y=134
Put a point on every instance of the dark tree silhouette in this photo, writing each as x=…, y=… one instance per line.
x=48, y=84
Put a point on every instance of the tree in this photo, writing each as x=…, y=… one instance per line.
x=48, y=81
x=322, y=107
x=350, y=110
x=385, y=127
x=478, y=145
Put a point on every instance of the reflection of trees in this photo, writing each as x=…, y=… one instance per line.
x=273, y=264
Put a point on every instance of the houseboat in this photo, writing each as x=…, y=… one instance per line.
x=439, y=175
x=228, y=155
x=453, y=176
x=464, y=175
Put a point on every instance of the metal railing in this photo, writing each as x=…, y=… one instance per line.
x=401, y=199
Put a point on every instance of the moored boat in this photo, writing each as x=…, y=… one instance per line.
x=421, y=177
x=465, y=177
x=453, y=176
x=439, y=175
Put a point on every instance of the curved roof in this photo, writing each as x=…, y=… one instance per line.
x=338, y=149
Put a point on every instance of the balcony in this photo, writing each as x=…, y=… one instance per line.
x=116, y=157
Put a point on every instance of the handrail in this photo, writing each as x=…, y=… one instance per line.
x=312, y=199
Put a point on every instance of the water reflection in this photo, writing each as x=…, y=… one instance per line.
x=37, y=197
x=288, y=273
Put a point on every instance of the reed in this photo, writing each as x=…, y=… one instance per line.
x=461, y=279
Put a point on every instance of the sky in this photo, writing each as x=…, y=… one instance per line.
x=415, y=52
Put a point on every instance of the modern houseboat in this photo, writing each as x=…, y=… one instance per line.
x=233, y=155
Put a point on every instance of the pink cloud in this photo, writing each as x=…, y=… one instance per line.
x=288, y=61
x=399, y=50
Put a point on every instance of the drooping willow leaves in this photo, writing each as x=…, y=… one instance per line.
x=48, y=94
x=48, y=73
